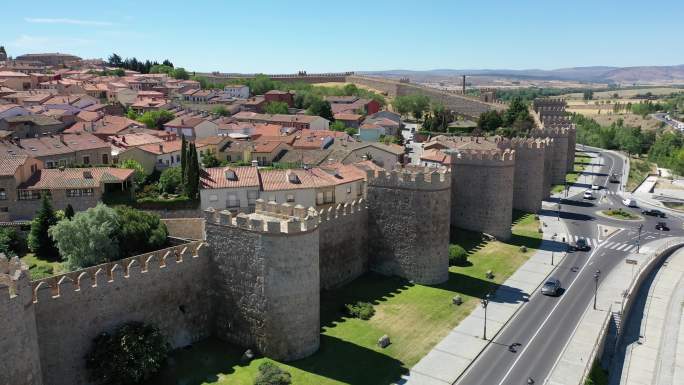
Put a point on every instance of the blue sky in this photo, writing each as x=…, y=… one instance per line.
x=286, y=36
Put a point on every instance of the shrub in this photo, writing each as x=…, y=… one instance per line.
x=41, y=271
x=139, y=232
x=11, y=242
x=272, y=374
x=362, y=310
x=457, y=256
x=39, y=240
x=170, y=180
x=129, y=355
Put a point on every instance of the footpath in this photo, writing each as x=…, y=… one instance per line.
x=616, y=293
x=450, y=358
x=653, y=347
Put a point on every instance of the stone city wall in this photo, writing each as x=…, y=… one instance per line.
x=529, y=187
x=409, y=224
x=481, y=193
x=166, y=288
x=266, y=278
x=186, y=228
x=343, y=243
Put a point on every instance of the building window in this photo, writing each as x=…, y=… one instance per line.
x=233, y=201
x=290, y=198
x=228, y=158
x=329, y=197
x=3, y=194
x=88, y=192
x=73, y=193
x=49, y=164
x=348, y=189
x=319, y=198
x=105, y=159
x=213, y=198
x=4, y=209
x=177, y=158
x=29, y=195
x=252, y=196
x=359, y=190
x=161, y=161
x=86, y=159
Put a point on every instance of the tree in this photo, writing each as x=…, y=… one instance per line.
x=588, y=95
x=351, y=131
x=39, y=240
x=171, y=180
x=115, y=60
x=180, y=73
x=272, y=374
x=130, y=355
x=209, y=159
x=139, y=171
x=220, y=110
x=350, y=89
x=321, y=108
x=89, y=238
x=276, y=108
x=489, y=121
x=139, y=231
x=402, y=105
x=166, y=62
x=192, y=178
x=156, y=119
x=11, y=243
x=161, y=69
x=69, y=211
x=337, y=126
x=419, y=104
x=184, y=160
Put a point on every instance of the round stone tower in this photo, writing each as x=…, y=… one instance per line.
x=267, y=278
x=559, y=151
x=529, y=188
x=408, y=222
x=481, y=193
x=19, y=352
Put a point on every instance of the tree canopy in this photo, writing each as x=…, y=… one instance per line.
x=139, y=232
x=39, y=240
x=170, y=180
x=138, y=174
x=276, y=108
x=321, y=108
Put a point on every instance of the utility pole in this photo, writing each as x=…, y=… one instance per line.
x=596, y=279
x=485, y=302
x=559, y=209
x=641, y=226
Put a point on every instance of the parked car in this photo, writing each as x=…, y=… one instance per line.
x=654, y=213
x=595, y=187
x=588, y=195
x=551, y=287
x=629, y=202
x=581, y=244
x=662, y=226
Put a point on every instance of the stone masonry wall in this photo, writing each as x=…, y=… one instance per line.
x=528, y=181
x=409, y=225
x=481, y=191
x=343, y=244
x=167, y=288
x=188, y=228
x=19, y=358
x=267, y=279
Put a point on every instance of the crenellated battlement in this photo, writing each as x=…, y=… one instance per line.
x=13, y=277
x=269, y=217
x=553, y=131
x=485, y=157
x=67, y=285
x=552, y=102
x=521, y=143
x=332, y=213
x=403, y=178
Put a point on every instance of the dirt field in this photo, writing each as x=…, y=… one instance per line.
x=627, y=93
x=606, y=116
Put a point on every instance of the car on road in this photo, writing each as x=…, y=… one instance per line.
x=629, y=202
x=654, y=213
x=581, y=244
x=588, y=195
x=595, y=187
x=552, y=286
x=662, y=226
x=613, y=178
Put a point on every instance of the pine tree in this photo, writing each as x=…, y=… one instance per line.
x=69, y=212
x=192, y=177
x=39, y=240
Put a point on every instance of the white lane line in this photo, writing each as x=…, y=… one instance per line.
x=536, y=333
x=609, y=244
x=630, y=249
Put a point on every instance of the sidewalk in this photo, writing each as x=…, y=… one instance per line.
x=447, y=361
x=586, y=342
x=650, y=353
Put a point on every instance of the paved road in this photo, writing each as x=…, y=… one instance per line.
x=661, y=116
x=545, y=324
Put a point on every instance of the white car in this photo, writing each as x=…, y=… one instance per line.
x=629, y=202
x=588, y=195
x=595, y=187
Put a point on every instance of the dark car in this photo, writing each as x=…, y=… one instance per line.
x=662, y=226
x=551, y=287
x=654, y=213
x=613, y=178
x=581, y=244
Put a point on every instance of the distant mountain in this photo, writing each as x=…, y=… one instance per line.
x=597, y=74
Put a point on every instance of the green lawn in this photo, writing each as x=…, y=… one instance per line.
x=582, y=161
x=638, y=171
x=415, y=317
x=40, y=268
x=620, y=214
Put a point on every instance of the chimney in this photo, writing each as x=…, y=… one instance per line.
x=161, y=148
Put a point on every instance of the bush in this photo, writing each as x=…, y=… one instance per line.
x=139, y=232
x=170, y=180
x=41, y=271
x=130, y=355
x=11, y=242
x=362, y=310
x=457, y=256
x=272, y=374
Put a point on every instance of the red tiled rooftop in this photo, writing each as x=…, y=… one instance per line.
x=76, y=178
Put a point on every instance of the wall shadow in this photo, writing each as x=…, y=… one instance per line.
x=566, y=215
x=569, y=202
x=476, y=287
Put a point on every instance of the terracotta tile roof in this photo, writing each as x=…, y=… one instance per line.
x=215, y=139
x=318, y=138
x=10, y=164
x=435, y=155
x=267, y=146
x=347, y=116
x=75, y=178
x=82, y=141
x=12, y=74
x=184, y=121
x=339, y=173
x=88, y=116
x=108, y=125
x=134, y=139
x=5, y=107
x=166, y=147
x=40, y=120
x=276, y=180
x=217, y=177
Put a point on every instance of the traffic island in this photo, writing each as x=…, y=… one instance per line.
x=620, y=215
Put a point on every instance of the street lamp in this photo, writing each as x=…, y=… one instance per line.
x=641, y=226
x=566, y=188
x=596, y=279
x=559, y=209
x=553, y=237
x=485, y=302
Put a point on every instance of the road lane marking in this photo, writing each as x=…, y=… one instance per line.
x=536, y=333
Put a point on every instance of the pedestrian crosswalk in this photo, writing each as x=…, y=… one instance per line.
x=593, y=242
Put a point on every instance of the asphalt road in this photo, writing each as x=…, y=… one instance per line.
x=544, y=325
x=661, y=116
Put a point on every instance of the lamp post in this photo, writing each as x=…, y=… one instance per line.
x=485, y=302
x=559, y=209
x=567, y=188
x=553, y=237
x=596, y=279
x=641, y=226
